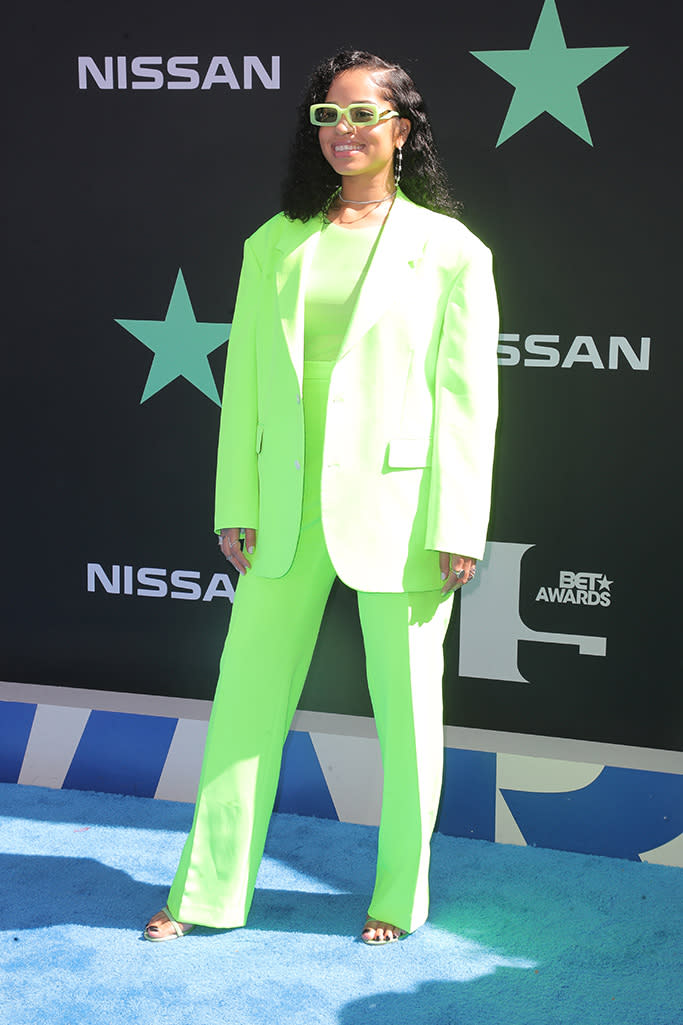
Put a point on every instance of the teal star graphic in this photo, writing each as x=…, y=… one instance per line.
x=546, y=77
x=181, y=345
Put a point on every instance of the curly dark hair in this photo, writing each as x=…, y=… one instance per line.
x=310, y=181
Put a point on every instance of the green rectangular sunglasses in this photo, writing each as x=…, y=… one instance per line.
x=329, y=114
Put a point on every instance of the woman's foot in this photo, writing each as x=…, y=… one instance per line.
x=163, y=926
x=378, y=933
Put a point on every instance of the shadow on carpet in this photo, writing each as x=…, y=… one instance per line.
x=516, y=936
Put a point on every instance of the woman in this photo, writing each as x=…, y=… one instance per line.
x=356, y=441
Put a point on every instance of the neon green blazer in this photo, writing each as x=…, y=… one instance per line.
x=412, y=406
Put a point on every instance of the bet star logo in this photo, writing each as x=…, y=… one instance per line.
x=546, y=77
x=181, y=345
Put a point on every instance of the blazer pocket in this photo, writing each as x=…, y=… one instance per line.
x=259, y=437
x=408, y=453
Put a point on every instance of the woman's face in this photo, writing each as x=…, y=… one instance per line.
x=361, y=150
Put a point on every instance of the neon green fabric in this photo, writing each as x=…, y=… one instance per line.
x=412, y=406
x=273, y=629
x=394, y=466
x=334, y=283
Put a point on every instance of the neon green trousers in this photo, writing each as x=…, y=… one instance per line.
x=273, y=630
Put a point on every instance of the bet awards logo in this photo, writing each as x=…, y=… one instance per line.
x=578, y=589
x=491, y=626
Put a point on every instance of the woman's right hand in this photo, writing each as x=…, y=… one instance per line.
x=229, y=542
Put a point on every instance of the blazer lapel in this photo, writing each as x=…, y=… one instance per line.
x=297, y=248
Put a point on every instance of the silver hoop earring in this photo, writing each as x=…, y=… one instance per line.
x=397, y=166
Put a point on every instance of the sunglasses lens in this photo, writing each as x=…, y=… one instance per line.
x=325, y=114
x=363, y=115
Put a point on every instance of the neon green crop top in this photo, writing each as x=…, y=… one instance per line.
x=340, y=264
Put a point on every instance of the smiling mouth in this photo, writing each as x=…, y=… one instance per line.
x=347, y=147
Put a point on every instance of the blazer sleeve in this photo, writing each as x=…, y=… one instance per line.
x=237, y=497
x=466, y=409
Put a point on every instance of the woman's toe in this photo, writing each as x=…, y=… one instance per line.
x=380, y=932
x=161, y=927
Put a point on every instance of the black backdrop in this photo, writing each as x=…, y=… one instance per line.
x=111, y=191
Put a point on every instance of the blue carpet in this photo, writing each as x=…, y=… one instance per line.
x=517, y=935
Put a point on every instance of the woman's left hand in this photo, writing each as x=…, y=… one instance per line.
x=456, y=570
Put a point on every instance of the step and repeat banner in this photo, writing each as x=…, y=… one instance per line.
x=144, y=142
